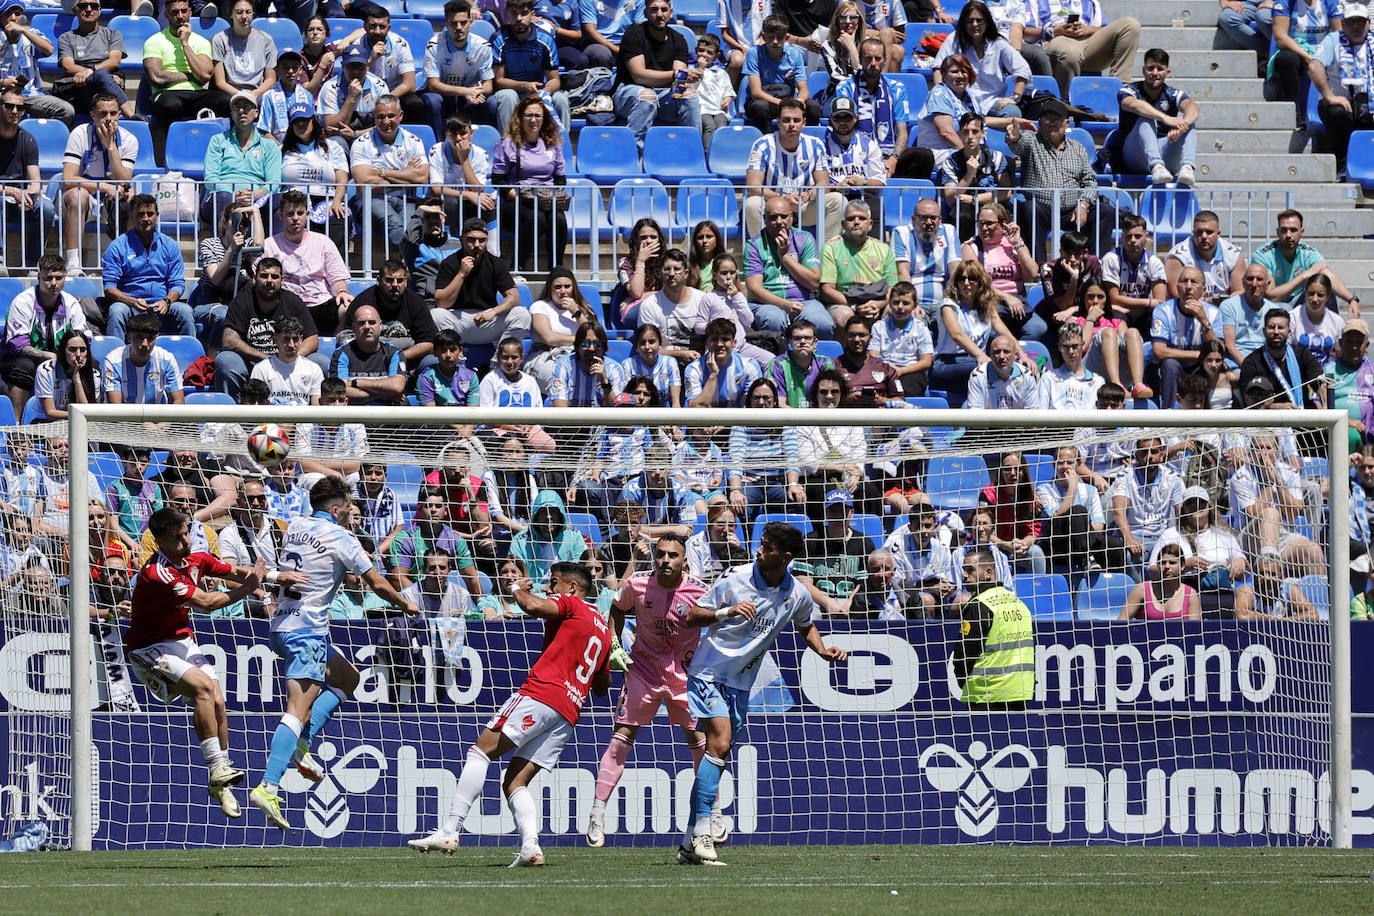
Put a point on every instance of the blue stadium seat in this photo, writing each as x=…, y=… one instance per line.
x=870, y=525
x=343, y=26
x=607, y=154
x=831, y=349
x=915, y=34
x=482, y=29
x=7, y=417
x=185, y=350
x=1097, y=93
x=1316, y=588
x=187, y=142
x=135, y=30
x=708, y=198
x=730, y=145
x=690, y=37
x=1103, y=597
x=1047, y=596
x=695, y=12
x=1169, y=211
x=424, y=133
x=1043, y=83
x=286, y=35
x=1038, y=352
x=674, y=154
x=586, y=211
x=208, y=30
x=954, y=481
x=900, y=197
x=1119, y=198
x=106, y=466
x=587, y=525
x=101, y=347
x=1040, y=468
x=405, y=480
x=33, y=411
x=486, y=136
x=1082, y=136
x=817, y=82
x=796, y=520
x=928, y=402
x=916, y=91
x=997, y=139
x=1359, y=164
x=570, y=168
x=51, y=135
x=50, y=25
x=1315, y=126
x=417, y=33
x=210, y=397
x=635, y=198
x=147, y=158
x=619, y=350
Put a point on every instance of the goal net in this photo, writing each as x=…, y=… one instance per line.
x=1178, y=579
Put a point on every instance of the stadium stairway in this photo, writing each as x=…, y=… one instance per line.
x=1245, y=142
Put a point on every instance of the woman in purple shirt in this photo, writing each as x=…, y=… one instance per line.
x=530, y=154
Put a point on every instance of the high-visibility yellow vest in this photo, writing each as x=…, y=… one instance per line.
x=1005, y=672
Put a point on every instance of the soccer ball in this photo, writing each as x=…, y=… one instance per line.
x=269, y=445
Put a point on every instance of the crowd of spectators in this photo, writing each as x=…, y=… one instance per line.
x=963, y=303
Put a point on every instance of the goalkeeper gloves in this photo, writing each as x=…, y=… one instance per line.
x=620, y=659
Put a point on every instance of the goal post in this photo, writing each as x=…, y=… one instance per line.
x=962, y=432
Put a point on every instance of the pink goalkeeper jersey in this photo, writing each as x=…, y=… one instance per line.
x=663, y=644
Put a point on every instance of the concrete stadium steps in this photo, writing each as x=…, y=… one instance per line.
x=1263, y=169
x=1250, y=114
x=1257, y=222
x=1196, y=63
x=1205, y=88
x=1330, y=195
x=1192, y=13
x=1176, y=39
x=1250, y=142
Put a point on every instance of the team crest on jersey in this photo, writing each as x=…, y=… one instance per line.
x=326, y=808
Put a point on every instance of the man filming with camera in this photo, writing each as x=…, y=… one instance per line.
x=1342, y=71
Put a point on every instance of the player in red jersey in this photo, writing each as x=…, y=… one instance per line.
x=161, y=649
x=538, y=719
x=657, y=676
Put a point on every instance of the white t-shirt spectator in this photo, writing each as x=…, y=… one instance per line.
x=1320, y=338
x=454, y=66
x=89, y=154
x=676, y=321
x=560, y=322
x=293, y=384
x=444, y=171
x=1062, y=390
x=395, y=62
x=47, y=385
x=495, y=390
x=371, y=149
x=1150, y=507
x=1050, y=494
x=313, y=170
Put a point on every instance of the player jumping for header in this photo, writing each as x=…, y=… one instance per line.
x=318, y=678
x=162, y=650
x=747, y=610
x=538, y=719
x=657, y=675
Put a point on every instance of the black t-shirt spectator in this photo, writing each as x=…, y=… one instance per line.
x=484, y=287
x=350, y=362
x=423, y=257
x=411, y=312
x=17, y=153
x=1258, y=363
x=256, y=326
x=658, y=55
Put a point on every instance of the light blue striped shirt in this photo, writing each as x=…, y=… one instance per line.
x=735, y=380
x=274, y=105
x=572, y=384
x=665, y=373
x=788, y=171
x=930, y=265
x=762, y=451
x=151, y=383
x=901, y=346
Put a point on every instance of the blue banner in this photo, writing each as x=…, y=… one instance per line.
x=1189, y=734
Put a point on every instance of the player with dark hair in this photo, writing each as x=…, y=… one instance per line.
x=747, y=610
x=657, y=675
x=163, y=652
x=318, y=678
x=538, y=719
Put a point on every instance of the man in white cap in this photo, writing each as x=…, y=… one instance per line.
x=1342, y=75
x=242, y=164
x=1350, y=377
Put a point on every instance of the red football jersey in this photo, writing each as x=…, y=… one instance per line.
x=576, y=646
x=161, y=593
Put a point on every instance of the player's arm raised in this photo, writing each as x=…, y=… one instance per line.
x=813, y=639
x=700, y=616
x=249, y=580
x=377, y=582
x=532, y=604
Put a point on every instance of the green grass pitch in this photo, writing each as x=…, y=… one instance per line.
x=813, y=879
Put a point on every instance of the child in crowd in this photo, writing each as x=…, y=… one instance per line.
x=20, y=479
x=380, y=512
x=451, y=382
x=509, y=386
x=715, y=92
x=340, y=446
x=698, y=465
x=647, y=361
x=727, y=300
x=903, y=340
x=1103, y=462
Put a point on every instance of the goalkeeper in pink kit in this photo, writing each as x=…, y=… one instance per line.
x=657, y=674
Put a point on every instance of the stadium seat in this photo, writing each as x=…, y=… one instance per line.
x=51, y=25
x=997, y=139
x=1043, y=83
x=730, y=145
x=135, y=30
x=674, y=154
x=817, y=82
x=1119, y=198
x=486, y=136
x=1169, y=211
x=915, y=34
x=1103, y=597
x=185, y=350
x=187, y=142
x=1316, y=588
x=1040, y=468
x=926, y=402
x=586, y=211
x=341, y=27
x=695, y=12
x=607, y=154
x=690, y=37
x=286, y=35
x=101, y=347
x=208, y=30
x=210, y=397
x=619, y=350
x=954, y=481
x=417, y=33
x=51, y=135
x=424, y=133
x=1038, y=352
x=870, y=525
x=794, y=519
x=1359, y=163
x=405, y=480
x=900, y=197
x=916, y=91
x=707, y=198
x=587, y=524
x=832, y=349
x=7, y=416
x=33, y=411
x=1084, y=137
x=632, y=199
x=1047, y=596
x=147, y=157
x=482, y=29
x=1315, y=127
x=1097, y=93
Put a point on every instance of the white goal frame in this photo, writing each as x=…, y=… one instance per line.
x=1332, y=422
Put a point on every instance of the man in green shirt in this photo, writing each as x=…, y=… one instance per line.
x=856, y=270
x=176, y=61
x=1292, y=262
x=242, y=164
x=1351, y=378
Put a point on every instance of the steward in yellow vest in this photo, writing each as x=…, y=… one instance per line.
x=995, y=657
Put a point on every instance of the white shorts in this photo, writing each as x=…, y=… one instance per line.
x=539, y=731
x=162, y=665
